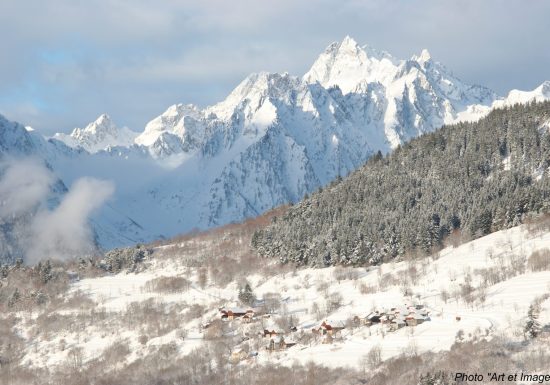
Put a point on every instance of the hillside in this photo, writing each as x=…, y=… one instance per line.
x=463, y=181
x=159, y=321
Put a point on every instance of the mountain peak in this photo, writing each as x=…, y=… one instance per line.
x=349, y=43
x=424, y=55
x=347, y=64
x=102, y=124
x=98, y=135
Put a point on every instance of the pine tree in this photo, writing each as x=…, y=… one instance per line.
x=45, y=272
x=246, y=296
x=532, y=326
x=15, y=297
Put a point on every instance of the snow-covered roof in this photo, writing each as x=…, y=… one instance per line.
x=335, y=323
x=237, y=310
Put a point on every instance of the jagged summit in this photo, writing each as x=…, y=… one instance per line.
x=98, y=135
x=102, y=127
x=171, y=121
x=346, y=64
x=424, y=57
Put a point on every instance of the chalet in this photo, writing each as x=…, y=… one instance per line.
x=236, y=312
x=329, y=327
x=373, y=317
x=270, y=333
x=279, y=343
x=414, y=319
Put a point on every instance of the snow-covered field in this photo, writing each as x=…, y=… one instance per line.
x=457, y=286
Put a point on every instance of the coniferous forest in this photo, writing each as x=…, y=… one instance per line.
x=465, y=180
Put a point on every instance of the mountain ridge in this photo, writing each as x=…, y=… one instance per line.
x=275, y=138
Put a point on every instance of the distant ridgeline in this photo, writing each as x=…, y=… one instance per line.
x=469, y=178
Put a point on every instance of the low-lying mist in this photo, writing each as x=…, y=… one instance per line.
x=58, y=232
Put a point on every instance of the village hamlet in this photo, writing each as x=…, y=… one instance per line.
x=261, y=331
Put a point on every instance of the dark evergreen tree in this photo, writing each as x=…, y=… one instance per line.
x=532, y=326
x=246, y=295
x=469, y=178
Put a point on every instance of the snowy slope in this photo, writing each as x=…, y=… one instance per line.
x=495, y=307
x=275, y=138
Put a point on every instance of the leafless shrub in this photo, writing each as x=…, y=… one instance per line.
x=366, y=289
x=194, y=312
x=538, y=225
x=373, y=358
x=286, y=322
x=341, y=273
x=167, y=285
x=411, y=349
x=116, y=353
x=387, y=280
x=455, y=239
x=214, y=331
x=77, y=300
x=492, y=275
x=181, y=334
x=75, y=359
x=334, y=301
x=202, y=277
x=412, y=273
x=272, y=302
x=168, y=351
x=155, y=318
x=317, y=310
x=539, y=260
x=535, y=360
x=322, y=286
x=466, y=292
x=517, y=264
x=54, y=323
x=143, y=339
x=444, y=294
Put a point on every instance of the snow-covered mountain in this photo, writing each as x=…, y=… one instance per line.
x=98, y=135
x=275, y=138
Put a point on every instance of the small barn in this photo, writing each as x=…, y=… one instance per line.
x=236, y=312
x=331, y=327
x=373, y=317
x=414, y=319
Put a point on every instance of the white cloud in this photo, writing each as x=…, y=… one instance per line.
x=65, y=231
x=58, y=233
x=23, y=186
x=133, y=58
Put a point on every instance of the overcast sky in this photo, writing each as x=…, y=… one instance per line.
x=64, y=62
